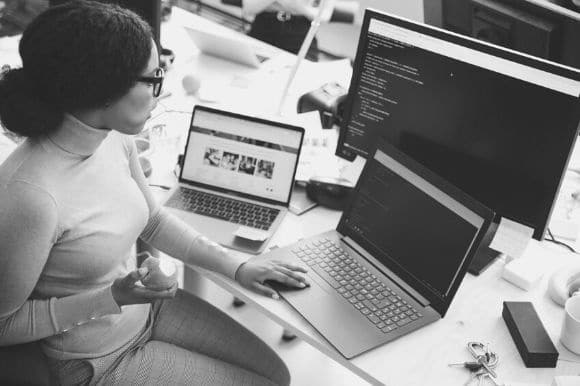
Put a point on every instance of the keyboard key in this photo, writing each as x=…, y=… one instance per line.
x=404, y=321
x=369, y=305
x=358, y=286
x=323, y=274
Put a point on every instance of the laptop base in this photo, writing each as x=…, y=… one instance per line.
x=322, y=306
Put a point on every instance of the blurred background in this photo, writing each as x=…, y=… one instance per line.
x=546, y=28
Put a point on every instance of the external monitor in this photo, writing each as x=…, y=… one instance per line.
x=498, y=124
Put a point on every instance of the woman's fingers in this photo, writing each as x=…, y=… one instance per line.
x=265, y=290
x=299, y=279
x=133, y=277
x=284, y=279
x=292, y=267
x=147, y=293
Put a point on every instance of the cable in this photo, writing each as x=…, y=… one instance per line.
x=553, y=240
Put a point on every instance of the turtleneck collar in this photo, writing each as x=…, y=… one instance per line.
x=76, y=137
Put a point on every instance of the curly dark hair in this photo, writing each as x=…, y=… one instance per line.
x=81, y=54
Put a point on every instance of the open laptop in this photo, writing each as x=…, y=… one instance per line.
x=227, y=47
x=396, y=259
x=237, y=176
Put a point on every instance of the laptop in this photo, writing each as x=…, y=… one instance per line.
x=227, y=47
x=236, y=177
x=395, y=260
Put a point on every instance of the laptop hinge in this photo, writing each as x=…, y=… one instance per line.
x=404, y=286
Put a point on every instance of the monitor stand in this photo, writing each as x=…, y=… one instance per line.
x=484, y=256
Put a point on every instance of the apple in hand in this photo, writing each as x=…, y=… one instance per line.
x=162, y=274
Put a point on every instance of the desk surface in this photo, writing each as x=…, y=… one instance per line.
x=419, y=358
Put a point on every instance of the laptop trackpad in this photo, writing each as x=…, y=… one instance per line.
x=322, y=310
x=252, y=234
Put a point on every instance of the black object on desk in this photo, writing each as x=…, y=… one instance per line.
x=328, y=100
x=529, y=334
x=334, y=193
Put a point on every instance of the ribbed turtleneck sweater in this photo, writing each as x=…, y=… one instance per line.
x=72, y=205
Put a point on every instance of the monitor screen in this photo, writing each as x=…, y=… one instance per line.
x=497, y=124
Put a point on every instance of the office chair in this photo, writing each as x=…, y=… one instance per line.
x=343, y=13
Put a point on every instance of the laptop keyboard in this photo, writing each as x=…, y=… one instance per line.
x=213, y=205
x=363, y=290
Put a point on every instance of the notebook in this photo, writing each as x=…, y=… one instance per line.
x=395, y=260
x=237, y=176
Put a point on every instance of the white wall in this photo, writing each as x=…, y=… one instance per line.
x=412, y=9
x=342, y=39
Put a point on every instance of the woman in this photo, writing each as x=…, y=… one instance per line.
x=73, y=201
x=285, y=23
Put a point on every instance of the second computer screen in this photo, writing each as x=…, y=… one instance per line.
x=499, y=127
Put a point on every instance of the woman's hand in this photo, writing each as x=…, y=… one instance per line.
x=252, y=275
x=126, y=291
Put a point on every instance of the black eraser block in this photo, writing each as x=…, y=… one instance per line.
x=529, y=334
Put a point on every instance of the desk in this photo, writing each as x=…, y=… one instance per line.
x=419, y=358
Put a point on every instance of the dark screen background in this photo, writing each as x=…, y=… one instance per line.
x=400, y=224
x=501, y=140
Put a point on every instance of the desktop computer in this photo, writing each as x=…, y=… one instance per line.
x=498, y=124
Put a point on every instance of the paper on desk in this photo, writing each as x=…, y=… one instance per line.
x=312, y=75
x=268, y=83
x=317, y=161
x=511, y=238
x=310, y=122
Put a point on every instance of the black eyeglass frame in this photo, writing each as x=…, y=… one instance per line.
x=156, y=81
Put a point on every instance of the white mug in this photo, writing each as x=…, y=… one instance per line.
x=570, y=336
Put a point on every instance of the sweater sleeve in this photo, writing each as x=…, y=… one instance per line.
x=176, y=238
x=28, y=230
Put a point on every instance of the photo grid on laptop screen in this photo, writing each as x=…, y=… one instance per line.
x=241, y=155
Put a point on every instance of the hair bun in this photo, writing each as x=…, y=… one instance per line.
x=21, y=110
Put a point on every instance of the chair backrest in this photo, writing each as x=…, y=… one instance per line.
x=339, y=15
x=24, y=364
x=236, y=3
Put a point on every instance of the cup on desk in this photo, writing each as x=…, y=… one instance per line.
x=570, y=336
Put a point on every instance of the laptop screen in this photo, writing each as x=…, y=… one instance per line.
x=409, y=222
x=241, y=154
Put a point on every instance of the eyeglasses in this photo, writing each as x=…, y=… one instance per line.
x=156, y=81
